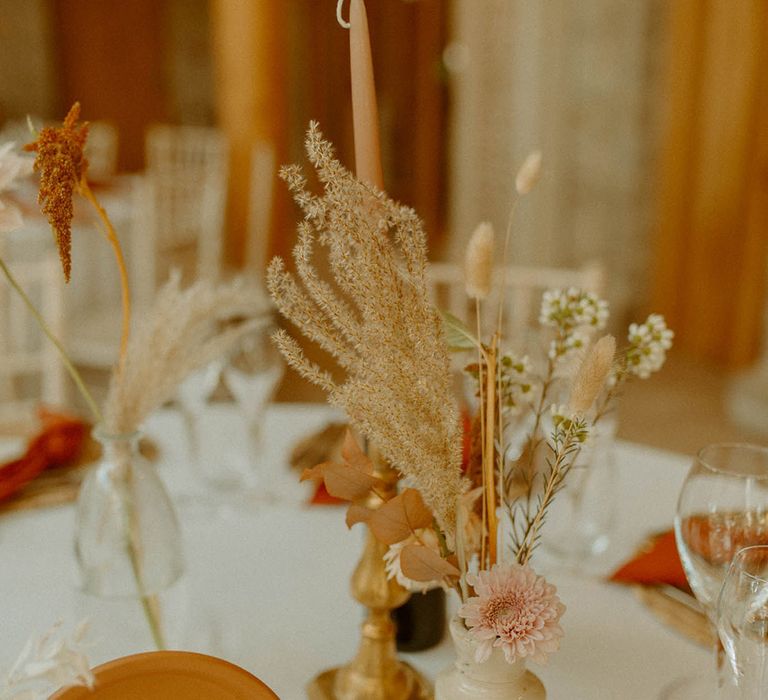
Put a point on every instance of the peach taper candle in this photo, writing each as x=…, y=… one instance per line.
x=365, y=114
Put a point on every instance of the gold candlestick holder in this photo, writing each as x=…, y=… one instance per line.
x=375, y=673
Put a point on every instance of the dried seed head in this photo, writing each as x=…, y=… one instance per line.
x=529, y=173
x=592, y=375
x=478, y=270
x=62, y=164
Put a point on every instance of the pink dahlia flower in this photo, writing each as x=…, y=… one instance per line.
x=513, y=609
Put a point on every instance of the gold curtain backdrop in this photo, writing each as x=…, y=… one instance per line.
x=711, y=233
x=651, y=117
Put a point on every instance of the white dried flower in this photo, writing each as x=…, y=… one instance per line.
x=516, y=382
x=648, y=345
x=529, y=173
x=478, y=262
x=568, y=425
x=567, y=347
x=560, y=412
x=565, y=309
x=428, y=538
x=53, y=661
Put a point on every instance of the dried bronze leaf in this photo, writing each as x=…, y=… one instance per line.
x=316, y=472
x=353, y=455
x=358, y=514
x=420, y=563
x=344, y=481
x=396, y=519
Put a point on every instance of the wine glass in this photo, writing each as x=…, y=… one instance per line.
x=252, y=375
x=723, y=507
x=742, y=622
x=192, y=396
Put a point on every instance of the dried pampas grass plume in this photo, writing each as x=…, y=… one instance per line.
x=591, y=376
x=374, y=315
x=478, y=270
x=185, y=330
x=529, y=173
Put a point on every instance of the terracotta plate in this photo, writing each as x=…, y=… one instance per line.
x=161, y=675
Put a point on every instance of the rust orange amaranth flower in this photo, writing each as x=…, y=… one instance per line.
x=61, y=164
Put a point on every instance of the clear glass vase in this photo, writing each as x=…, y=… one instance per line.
x=127, y=538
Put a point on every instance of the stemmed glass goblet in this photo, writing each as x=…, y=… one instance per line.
x=252, y=375
x=742, y=623
x=723, y=507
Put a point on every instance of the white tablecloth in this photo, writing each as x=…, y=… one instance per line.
x=267, y=584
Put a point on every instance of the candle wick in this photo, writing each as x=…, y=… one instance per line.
x=340, y=19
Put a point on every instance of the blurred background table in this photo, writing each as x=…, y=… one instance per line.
x=266, y=582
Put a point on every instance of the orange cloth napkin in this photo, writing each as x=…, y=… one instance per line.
x=658, y=562
x=321, y=497
x=59, y=442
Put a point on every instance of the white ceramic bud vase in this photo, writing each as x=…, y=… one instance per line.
x=495, y=679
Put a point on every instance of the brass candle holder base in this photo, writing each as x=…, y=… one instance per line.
x=375, y=673
x=413, y=687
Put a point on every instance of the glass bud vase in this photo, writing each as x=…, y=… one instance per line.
x=127, y=538
x=494, y=679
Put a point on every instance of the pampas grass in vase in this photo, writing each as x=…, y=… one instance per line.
x=128, y=541
x=127, y=538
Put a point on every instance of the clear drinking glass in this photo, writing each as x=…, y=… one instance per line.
x=742, y=623
x=193, y=396
x=252, y=375
x=723, y=507
x=582, y=517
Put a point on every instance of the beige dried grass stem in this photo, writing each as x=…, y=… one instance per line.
x=591, y=376
x=529, y=173
x=478, y=263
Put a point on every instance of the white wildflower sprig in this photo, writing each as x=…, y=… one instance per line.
x=572, y=313
x=570, y=308
x=48, y=663
x=567, y=346
x=648, y=345
x=514, y=381
x=570, y=429
x=645, y=354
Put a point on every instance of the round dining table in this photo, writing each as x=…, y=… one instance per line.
x=266, y=583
